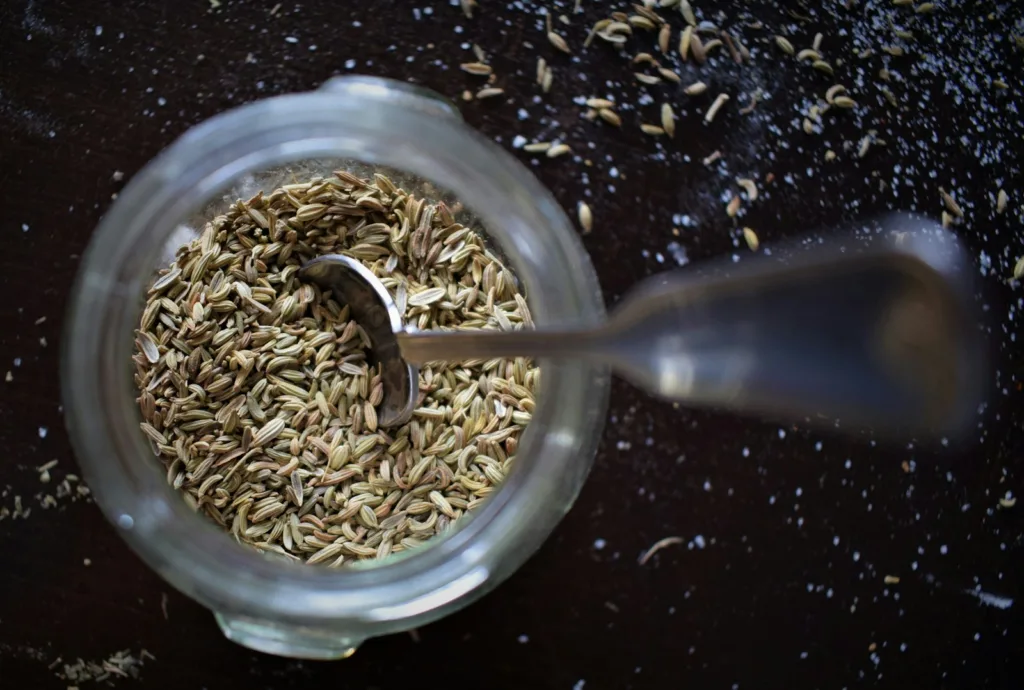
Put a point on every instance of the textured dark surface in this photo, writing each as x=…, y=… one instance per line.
x=779, y=579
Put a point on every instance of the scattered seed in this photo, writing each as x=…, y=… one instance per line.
x=646, y=78
x=733, y=207
x=610, y=116
x=833, y=92
x=697, y=49
x=830, y=155
x=687, y=12
x=558, y=42
x=844, y=102
x=751, y=238
x=638, y=22
x=895, y=51
x=542, y=67
x=950, y=203
x=664, y=36
x=653, y=130
x=669, y=75
x=585, y=217
x=548, y=80
x=1007, y=502
x=947, y=220
x=477, y=68
x=538, y=147
x=489, y=92
x=713, y=110
x=1001, y=200
x=808, y=54
x=1018, y=269
x=783, y=43
x=668, y=120
x=822, y=66
x=749, y=186
x=925, y=8
x=712, y=158
x=695, y=89
x=599, y=103
x=658, y=546
x=891, y=580
x=558, y=150
x=817, y=41
x=685, y=39
x=865, y=144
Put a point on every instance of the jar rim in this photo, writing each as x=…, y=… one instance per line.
x=516, y=210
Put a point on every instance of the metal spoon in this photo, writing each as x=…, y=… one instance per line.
x=878, y=336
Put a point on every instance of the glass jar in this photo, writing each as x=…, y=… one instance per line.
x=295, y=609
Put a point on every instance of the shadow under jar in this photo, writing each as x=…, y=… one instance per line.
x=359, y=124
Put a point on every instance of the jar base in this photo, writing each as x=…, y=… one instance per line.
x=295, y=642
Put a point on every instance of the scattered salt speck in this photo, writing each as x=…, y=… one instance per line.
x=523, y=639
x=856, y=556
x=699, y=541
x=707, y=485
x=579, y=684
x=43, y=431
x=746, y=452
x=24, y=227
x=161, y=101
x=350, y=64
x=991, y=599
x=782, y=433
x=17, y=361
x=290, y=39
x=99, y=30
x=518, y=141
x=600, y=544
x=943, y=549
x=803, y=655
x=799, y=491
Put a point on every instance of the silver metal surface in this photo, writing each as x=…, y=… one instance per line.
x=371, y=305
x=876, y=334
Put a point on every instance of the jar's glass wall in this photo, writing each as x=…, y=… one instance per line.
x=212, y=166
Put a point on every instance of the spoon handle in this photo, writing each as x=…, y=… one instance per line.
x=420, y=347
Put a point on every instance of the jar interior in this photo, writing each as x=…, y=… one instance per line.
x=265, y=181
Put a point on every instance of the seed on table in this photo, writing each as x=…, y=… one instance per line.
x=599, y=103
x=489, y=93
x=713, y=110
x=558, y=42
x=751, y=238
x=733, y=207
x=749, y=186
x=558, y=150
x=1001, y=200
x=844, y=102
x=653, y=130
x=951, y=205
x=610, y=116
x=668, y=120
x=808, y=54
x=664, y=35
x=783, y=43
x=477, y=68
x=1018, y=269
x=537, y=147
x=822, y=66
x=585, y=217
x=695, y=89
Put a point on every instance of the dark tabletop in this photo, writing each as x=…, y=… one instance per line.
x=787, y=534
